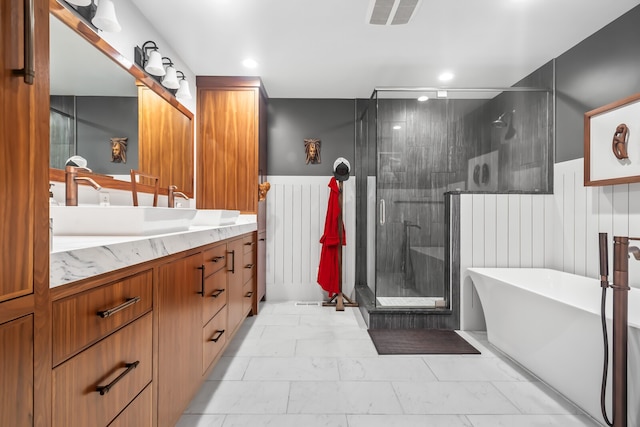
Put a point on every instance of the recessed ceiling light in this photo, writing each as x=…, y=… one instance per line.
x=249, y=63
x=423, y=98
x=396, y=127
x=446, y=76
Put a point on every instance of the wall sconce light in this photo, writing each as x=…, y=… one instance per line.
x=149, y=58
x=183, y=91
x=105, y=17
x=170, y=80
x=100, y=13
x=80, y=2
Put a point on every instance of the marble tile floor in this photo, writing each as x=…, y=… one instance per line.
x=308, y=366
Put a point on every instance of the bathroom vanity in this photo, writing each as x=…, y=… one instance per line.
x=139, y=322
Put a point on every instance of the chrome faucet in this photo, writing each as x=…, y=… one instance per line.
x=173, y=194
x=71, y=183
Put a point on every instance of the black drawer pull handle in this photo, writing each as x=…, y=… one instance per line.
x=104, y=389
x=201, y=291
x=128, y=303
x=249, y=294
x=250, y=243
x=219, y=335
x=217, y=293
x=262, y=239
x=233, y=263
x=248, y=266
x=218, y=258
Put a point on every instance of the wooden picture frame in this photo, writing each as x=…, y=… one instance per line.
x=612, y=143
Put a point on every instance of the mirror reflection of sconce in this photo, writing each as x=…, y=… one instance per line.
x=101, y=13
x=162, y=69
x=506, y=121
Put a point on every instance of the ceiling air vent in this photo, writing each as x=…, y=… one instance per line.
x=391, y=12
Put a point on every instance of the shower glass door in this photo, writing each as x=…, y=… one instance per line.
x=413, y=171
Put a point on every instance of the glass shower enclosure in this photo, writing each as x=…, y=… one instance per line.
x=412, y=151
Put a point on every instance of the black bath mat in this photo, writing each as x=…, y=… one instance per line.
x=420, y=341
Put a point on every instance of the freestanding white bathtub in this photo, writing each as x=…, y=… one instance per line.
x=549, y=322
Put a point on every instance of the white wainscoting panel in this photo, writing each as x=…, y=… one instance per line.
x=499, y=230
x=612, y=209
x=296, y=211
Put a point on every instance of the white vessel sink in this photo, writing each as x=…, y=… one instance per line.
x=118, y=220
x=215, y=217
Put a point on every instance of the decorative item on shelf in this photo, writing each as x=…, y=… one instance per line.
x=619, y=144
x=312, y=151
x=100, y=13
x=183, y=91
x=262, y=191
x=119, y=150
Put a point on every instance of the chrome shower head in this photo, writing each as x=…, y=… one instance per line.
x=499, y=123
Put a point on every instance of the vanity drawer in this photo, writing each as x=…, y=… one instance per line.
x=248, y=267
x=139, y=413
x=84, y=318
x=120, y=364
x=214, y=259
x=249, y=243
x=215, y=295
x=247, y=296
x=216, y=330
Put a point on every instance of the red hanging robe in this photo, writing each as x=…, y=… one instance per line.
x=329, y=270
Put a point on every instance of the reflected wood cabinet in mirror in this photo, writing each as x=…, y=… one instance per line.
x=165, y=125
x=166, y=141
x=24, y=243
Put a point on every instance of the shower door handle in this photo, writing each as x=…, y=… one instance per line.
x=383, y=212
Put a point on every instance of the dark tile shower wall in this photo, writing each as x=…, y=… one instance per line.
x=432, y=152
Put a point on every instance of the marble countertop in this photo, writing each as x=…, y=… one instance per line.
x=79, y=257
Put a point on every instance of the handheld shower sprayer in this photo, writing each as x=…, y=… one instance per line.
x=604, y=259
x=603, y=249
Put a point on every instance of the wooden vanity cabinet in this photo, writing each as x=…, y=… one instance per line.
x=214, y=305
x=93, y=387
x=103, y=350
x=249, y=273
x=235, y=283
x=179, y=312
x=16, y=368
x=25, y=352
x=261, y=269
x=84, y=318
x=231, y=153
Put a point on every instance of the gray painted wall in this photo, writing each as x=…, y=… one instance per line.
x=291, y=121
x=95, y=121
x=100, y=118
x=603, y=68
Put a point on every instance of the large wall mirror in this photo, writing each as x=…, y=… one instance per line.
x=103, y=107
